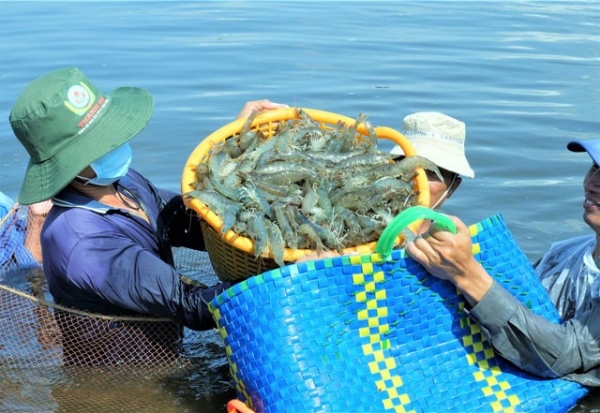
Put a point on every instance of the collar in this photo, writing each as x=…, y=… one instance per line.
x=69, y=199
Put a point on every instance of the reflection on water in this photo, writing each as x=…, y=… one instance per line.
x=590, y=404
x=522, y=75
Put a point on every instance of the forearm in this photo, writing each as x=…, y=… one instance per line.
x=474, y=283
x=534, y=343
x=156, y=288
x=137, y=281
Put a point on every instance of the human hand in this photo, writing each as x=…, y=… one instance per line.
x=315, y=255
x=450, y=257
x=442, y=253
x=258, y=106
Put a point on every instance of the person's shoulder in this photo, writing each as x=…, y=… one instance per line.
x=135, y=178
x=579, y=240
x=78, y=219
x=570, y=244
x=562, y=253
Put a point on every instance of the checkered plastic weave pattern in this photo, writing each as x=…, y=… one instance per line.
x=359, y=333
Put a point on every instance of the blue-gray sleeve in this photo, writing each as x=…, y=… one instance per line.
x=537, y=345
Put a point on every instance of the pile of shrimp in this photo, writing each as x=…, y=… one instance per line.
x=307, y=186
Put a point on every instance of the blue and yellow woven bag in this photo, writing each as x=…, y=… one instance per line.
x=372, y=334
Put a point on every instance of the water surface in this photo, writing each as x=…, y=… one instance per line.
x=524, y=76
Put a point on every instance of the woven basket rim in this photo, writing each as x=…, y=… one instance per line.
x=200, y=153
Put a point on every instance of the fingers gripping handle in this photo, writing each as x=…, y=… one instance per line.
x=405, y=218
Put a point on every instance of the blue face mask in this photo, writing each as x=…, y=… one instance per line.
x=111, y=167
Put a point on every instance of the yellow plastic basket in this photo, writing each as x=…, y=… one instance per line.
x=232, y=255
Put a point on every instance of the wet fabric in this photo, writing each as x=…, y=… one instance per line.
x=570, y=275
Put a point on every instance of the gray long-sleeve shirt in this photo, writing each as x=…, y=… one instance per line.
x=537, y=345
x=570, y=349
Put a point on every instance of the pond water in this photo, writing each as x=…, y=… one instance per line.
x=523, y=76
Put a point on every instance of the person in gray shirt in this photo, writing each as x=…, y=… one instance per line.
x=569, y=271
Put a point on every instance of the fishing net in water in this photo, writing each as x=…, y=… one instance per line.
x=58, y=359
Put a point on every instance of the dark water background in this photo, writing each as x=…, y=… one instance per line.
x=524, y=76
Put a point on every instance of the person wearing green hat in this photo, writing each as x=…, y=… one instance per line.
x=570, y=271
x=106, y=242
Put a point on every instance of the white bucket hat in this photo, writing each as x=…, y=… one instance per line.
x=439, y=138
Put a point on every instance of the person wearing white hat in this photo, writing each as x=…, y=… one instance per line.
x=441, y=139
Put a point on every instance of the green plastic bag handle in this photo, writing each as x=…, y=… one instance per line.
x=404, y=219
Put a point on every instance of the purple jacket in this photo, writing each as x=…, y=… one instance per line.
x=105, y=260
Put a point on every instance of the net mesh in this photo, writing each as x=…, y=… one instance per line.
x=53, y=358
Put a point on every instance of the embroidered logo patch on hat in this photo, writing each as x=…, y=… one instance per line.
x=79, y=98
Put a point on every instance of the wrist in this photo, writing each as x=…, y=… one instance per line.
x=474, y=284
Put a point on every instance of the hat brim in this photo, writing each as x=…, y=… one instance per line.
x=128, y=112
x=592, y=147
x=443, y=156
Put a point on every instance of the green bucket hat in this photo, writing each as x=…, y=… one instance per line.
x=65, y=123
